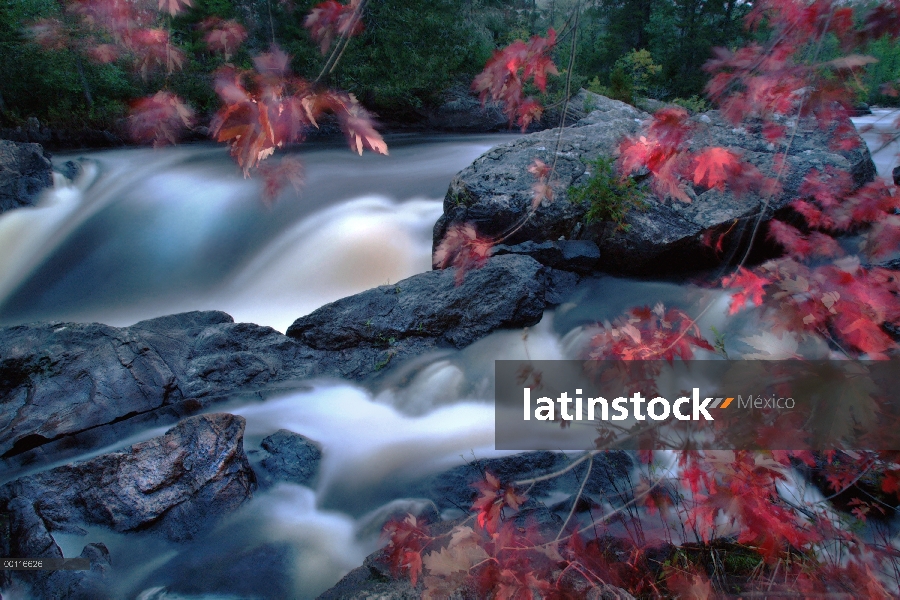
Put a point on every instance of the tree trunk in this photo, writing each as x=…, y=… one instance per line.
x=84, y=83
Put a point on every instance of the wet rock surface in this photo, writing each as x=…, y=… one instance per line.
x=68, y=387
x=25, y=171
x=175, y=485
x=495, y=192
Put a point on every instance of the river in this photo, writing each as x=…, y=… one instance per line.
x=143, y=233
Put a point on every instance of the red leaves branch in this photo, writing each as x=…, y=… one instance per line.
x=506, y=73
x=270, y=108
x=332, y=19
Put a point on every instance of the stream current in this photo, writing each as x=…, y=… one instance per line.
x=142, y=233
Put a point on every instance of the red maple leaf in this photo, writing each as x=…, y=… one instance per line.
x=493, y=497
x=223, y=36
x=751, y=288
x=714, y=166
x=331, y=19
x=173, y=7
x=506, y=72
x=288, y=171
x=159, y=119
x=462, y=248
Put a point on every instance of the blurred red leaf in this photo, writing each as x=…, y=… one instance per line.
x=173, y=7
x=159, y=119
x=462, y=248
x=223, y=36
x=331, y=19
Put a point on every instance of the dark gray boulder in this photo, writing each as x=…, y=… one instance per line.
x=291, y=457
x=177, y=485
x=25, y=171
x=426, y=312
x=577, y=256
x=494, y=193
x=59, y=380
x=896, y=175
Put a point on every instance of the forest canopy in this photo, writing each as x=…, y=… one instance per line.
x=407, y=55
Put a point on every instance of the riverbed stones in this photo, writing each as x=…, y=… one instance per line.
x=495, y=192
x=70, y=387
x=25, y=171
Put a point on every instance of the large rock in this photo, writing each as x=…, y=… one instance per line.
x=25, y=171
x=494, y=193
x=176, y=485
x=59, y=380
x=427, y=311
x=69, y=387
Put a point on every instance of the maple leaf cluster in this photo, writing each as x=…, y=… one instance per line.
x=663, y=151
x=110, y=30
x=159, y=119
x=268, y=108
x=840, y=300
x=649, y=334
x=107, y=30
x=506, y=73
x=331, y=19
x=223, y=36
x=463, y=249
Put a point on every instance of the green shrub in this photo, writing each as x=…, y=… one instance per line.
x=695, y=104
x=620, y=86
x=610, y=199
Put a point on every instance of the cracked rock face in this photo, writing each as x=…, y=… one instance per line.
x=25, y=170
x=59, y=379
x=494, y=193
x=176, y=485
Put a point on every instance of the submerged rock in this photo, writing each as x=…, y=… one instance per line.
x=494, y=193
x=291, y=457
x=176, y=485
x=25, y=171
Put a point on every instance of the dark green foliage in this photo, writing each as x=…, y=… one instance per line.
x=620, y=86
x=610, y=198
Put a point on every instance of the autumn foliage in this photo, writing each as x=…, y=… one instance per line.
x=262, y=110
x=829, y=286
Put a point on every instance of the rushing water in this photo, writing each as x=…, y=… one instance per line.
x=143, y=233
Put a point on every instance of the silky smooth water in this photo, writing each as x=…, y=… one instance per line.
x=144, y=233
